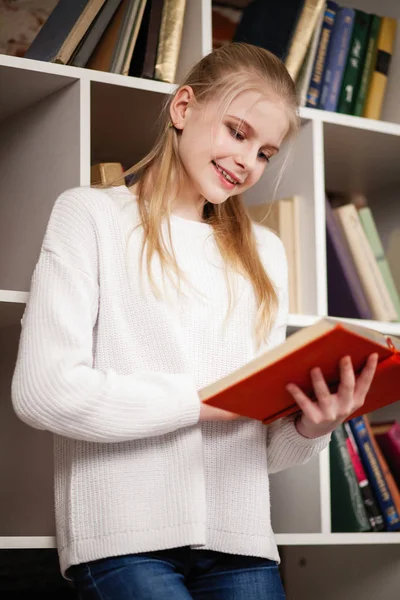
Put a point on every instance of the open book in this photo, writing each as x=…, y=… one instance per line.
x=257, y=390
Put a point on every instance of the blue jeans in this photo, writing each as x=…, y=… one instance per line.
x=178, y=574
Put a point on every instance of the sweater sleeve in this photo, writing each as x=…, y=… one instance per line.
x=55, y=386
x=286, y=447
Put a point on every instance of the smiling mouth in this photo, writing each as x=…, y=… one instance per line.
x=225, y=174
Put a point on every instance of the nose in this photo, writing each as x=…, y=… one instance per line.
x=246, y=161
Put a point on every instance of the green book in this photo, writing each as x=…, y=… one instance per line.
x=355, y=61
x=368, y=67
x=347, y=504
x=369, y=226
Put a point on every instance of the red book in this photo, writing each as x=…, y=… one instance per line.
x=257, y=390
x=387, y=436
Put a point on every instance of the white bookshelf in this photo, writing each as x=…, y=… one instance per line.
x=55, y=121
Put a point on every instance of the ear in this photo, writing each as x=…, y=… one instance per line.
x=179, y=106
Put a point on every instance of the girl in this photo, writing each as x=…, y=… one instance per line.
x=142, y=296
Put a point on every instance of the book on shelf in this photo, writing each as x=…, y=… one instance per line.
x=368, y=66
x=371, y=277
x=346, y=296
x=387, y=436
x=336, y=58
x=153, y=29
x=355, y=60
x=380, y=71
x=107, y=173
x=348, y=513
x=319, y=67
x=283, y=217
x=304, y=78
x=372, y=510
x=169, y=40
x=63, y=30
x=127, y=36
x=258, y=389
x=379, y=475
x=102, y=55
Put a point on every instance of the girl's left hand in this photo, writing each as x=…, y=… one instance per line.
x=322, y=416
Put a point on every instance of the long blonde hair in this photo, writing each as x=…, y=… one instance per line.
x=222, y=74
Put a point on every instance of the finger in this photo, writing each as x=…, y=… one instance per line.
x=309, y=408
x=347, y=380
x=366, y=376
x=320, y=386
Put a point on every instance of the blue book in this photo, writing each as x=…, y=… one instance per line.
x=336, y=59
x=319, y=66
x=375, y=474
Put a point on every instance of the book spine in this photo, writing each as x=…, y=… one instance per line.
x=372, y=510
x=389, y=443
x=364, y=259
x=347, y=506
x=355, y=60
x=133, y=7
x=368, y=223
x=169, y=42
x=152, y=39
x=303, y=82
x=375, y=473
x=319, y=66
x=337, y=59
x=377, y=86
x=367, y=69
x=302, y=36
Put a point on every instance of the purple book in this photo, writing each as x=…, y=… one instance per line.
x=346, y=296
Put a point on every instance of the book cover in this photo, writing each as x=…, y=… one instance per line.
x=376, y=474
x=257, y=390
x=378, y=81
x=318, y=70
x=169, y=42
x=86, y=47
x=372, y=510
x=106, y=173
x=355, y=61
x=387, y=436
x=269, y=25
x=127, y=37
x=302, y=36
x=346, y=297
x=348, y=512
x=371, y=231
x=336, y=60
x=367, y=267
x=367, y=69
x=63, y=30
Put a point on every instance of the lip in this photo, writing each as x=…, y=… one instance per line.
x=234, y=177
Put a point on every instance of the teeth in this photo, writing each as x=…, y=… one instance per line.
x=225, y=174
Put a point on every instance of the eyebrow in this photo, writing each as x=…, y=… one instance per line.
x=251, y=129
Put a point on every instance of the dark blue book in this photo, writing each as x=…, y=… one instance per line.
x=269, y=24
x=319, y=66
x=346, y=297
x=374, y=472
x=63, y=30
x=86, y=47
x=336, y=59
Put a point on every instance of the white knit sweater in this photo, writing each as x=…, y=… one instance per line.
x=113, y=371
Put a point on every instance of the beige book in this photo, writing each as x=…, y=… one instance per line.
x=302, y=35
x=76, y=34
x=282, y=217
x=371, y=278
x=169, y=43
x=107, y=173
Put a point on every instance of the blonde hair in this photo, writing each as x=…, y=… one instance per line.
x=223, y=74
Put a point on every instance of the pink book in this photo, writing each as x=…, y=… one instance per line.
x=388, y=437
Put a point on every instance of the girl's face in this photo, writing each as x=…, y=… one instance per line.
x=225, y=157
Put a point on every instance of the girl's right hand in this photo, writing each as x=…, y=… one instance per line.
x=211, y=413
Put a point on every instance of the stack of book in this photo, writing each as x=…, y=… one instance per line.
x=140, y=38
x=360, y=280
x=339, y=57
x=365, y=476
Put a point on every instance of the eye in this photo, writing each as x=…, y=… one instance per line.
x=235, y=133
x=264, y=157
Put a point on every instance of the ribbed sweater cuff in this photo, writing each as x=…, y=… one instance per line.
x=189, y=402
